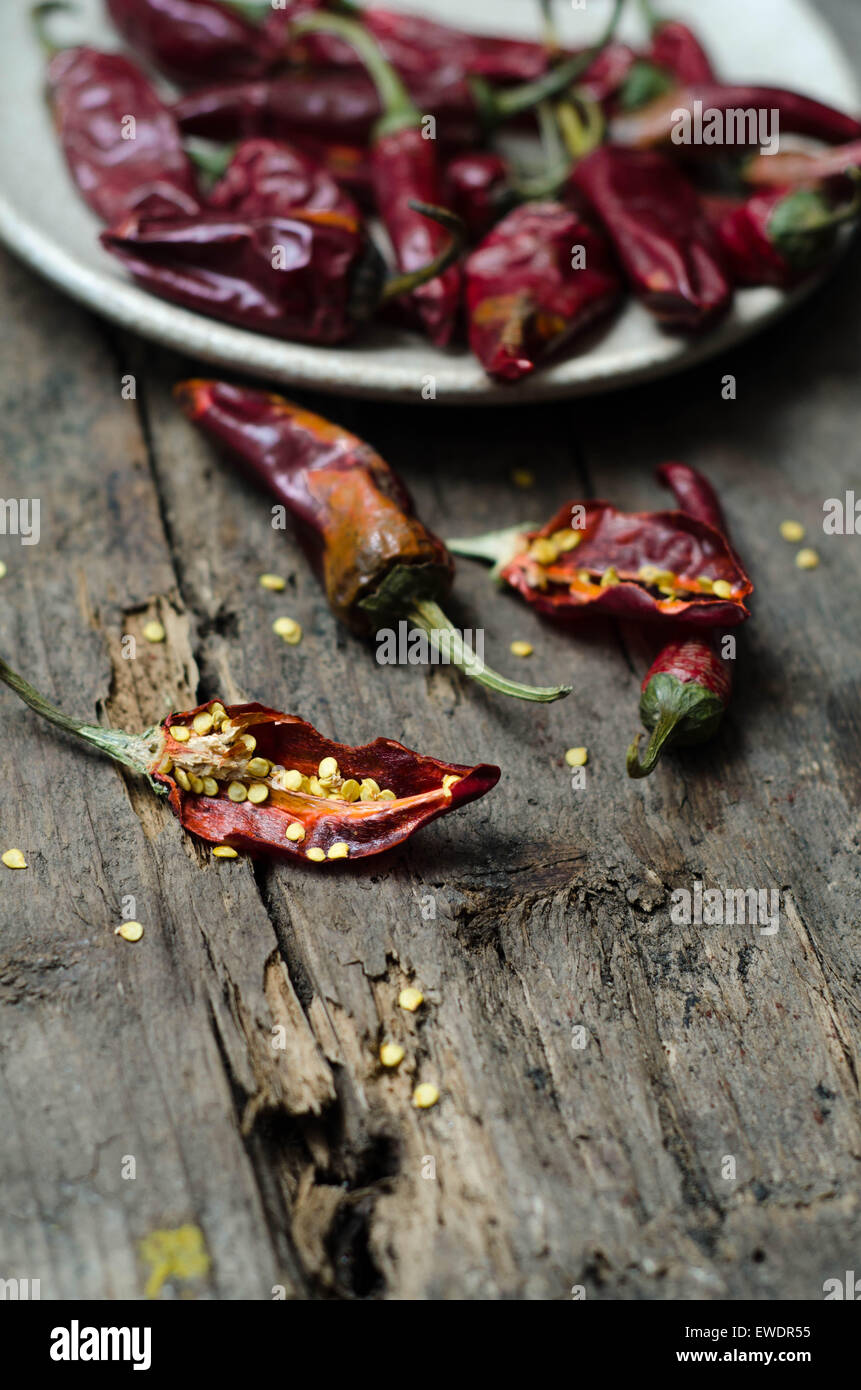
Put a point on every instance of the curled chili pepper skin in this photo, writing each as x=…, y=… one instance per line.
x=355, y=520
x=655, y=124
x=121, y=142
x=525, y=294
x=660, y=233
x=476, y=186
x=268, y=783
x=682, y=702
x=268, y=177
x=194, y=41
x=653, y=566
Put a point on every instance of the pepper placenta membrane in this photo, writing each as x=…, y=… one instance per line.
x=376, y=560
x=257, y=780
x=684, y=696
x=592, y=559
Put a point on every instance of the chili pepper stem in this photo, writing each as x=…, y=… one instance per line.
x=650, y=15
x=643, y=767
x=209, y=159
x=428, y=616
x=497, y=546
x=399, y=110
x=134, y=751
x=410, y=280
x=38, y=15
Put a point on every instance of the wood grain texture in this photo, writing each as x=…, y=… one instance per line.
x=538, y=911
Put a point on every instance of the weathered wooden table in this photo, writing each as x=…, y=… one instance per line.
x=642, y=1109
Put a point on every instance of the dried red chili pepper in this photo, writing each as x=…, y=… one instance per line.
x=668, y=566
x=257, y=780
x=676, y=48
x=405, y=170
x=778, y=235
x=661, y=235
x=308, y=276
x=657, y=123
x=684, y=696
x=794, y=168
x=528, y=291
x=266, y=178
x=194, y=41
x=354, y=518
x=476, y=189
x=120, y=140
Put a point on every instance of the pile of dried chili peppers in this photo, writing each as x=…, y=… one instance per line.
x=329, y=112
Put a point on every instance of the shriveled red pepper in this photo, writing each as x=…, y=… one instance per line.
x=120, y=140
x=194, y=41
x=656, y=123
x=476, y=189
x=655, y=220
x=269, y=177
x=251, y=779
x=684, y=696
x=405, y=170
x=800, y=168
x=355, y=520
x=676, y=48
x=778, y=236
x=304, y=275
x=544, y=274
x=593, y=560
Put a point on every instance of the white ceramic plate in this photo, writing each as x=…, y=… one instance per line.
x=42, y=219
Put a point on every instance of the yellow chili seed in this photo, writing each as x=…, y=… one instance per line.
x=237, y=791
x=722, y=588
x=2, y=570
x=792, y=531
x=180, y=733
x=289, y=629
x=328, y=768
x=217, y=710
x=584, y=577
x=293, y=779
x=202, y=723
x=386, y=795
x=165, y=766
x=521, y=649
x=210, y=786
x=350, y=789
x=14, y=859
x=295, y=831
x=706, y=584
x=196, y=783
x=410, y=999
x=249, y=741
x=523, y=478
x=258, y=767
x=425, y=1095
x=610, y=578
x=315, y=787
x=667, y=590
x=544, y=551
x=258, y=792
x=369, y=785
x=807, y=559
x=154, y=632
x=567, y=540
x=181, y=777
x=577, y=757
x=273, y=582
x=318, y=855
x=224, y=852
x=392, y=1054
x=129, y=931
x=450, y=779
x=339, y=850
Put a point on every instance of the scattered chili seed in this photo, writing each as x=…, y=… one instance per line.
x=411, y=999
x=318, y=855
x=181, y=777
x=224, y=852
x=210, y=786
x=14, y=859
x=196, y=783
x=388, y=795
x=523, y=478
x=807, y=559
x=792, y=531
x=129, y=931
x=258, y=792
x=273, y=582
x=154, y=631
x=425, y=1095
x=295, y=832
x=237, y=791
x=340, y=850
x=180, y=733
x=567, y=540
x=289, y=629
x=258, y=767
x=521, y=649
x=293, y=780
x=350, y=790
x=392, y=1054
x=249, y=740
x=328, y=769
x=722, y=588
x=610, y=578
x=202, y=723
x=544, y=551
x=577, y=757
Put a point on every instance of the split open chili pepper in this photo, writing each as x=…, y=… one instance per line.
x=255, y=780
x=593, y=560
x=193, y=41
x=543, y=275
x=120, y=140
x=405, y=170
x=777, y=236
x=268, y=177
x=658, y=122
x=684, y=696
x=355, y=520
x=661, y=235
x=304, y=275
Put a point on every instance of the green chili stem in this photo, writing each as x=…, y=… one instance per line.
x=209, y=160
x=497, y=546
x=501, y=106
x=642, y=767
x=135, y=751
x=399, y=110
x=428, y=616
x=650, y=15
x=409, y=280
x=39, y=14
